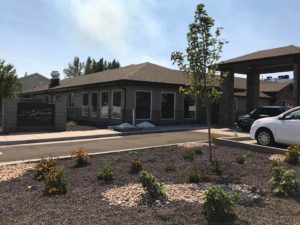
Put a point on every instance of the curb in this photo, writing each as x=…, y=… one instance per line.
x=236, y=142
x=7, y=143
x=100, y=153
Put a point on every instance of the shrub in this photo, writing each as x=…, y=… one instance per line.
x=71, y=123
x=169, y=166
x=214, y=136
x=80, y=156
x=217, y=204
x=194, y=176
x=105, y=172
x=292, y=155
x=188, y=155
x=154, y=189
x=240, y=159
x=216, y=168
x=43, y=167
x=284, y=182
x=55, y=181
x=276, y=163
x=136, y=164
x=198, y=150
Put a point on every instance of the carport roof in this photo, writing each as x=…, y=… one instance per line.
x=269, y=60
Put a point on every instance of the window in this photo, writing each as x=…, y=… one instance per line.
x=71, y=100
x=294, y=115
x=47, y=99
x=116, y=104
x=85, y=99
x=94, y=101
x=58, y=97
x=85, y=104
x=168, y=105
x=104, y=105
x=189, y=107
x=143, y=104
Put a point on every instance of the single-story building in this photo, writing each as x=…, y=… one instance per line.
x=147, y=91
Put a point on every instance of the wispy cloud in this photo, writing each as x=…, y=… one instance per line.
x=116, y=24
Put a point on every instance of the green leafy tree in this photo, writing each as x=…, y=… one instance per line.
x=199, y=63
x=75, y=68
x=9, y=83
x=88, y=66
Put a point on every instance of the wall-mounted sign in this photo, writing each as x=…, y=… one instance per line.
x=35, y=115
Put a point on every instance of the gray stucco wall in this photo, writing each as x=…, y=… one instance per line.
x=32, y=81
x=128, y=92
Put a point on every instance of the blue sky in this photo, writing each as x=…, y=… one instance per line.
x=44, y=35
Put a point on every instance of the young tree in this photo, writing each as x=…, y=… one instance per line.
x=199, y=62
x=9, y=83
x=74, y=69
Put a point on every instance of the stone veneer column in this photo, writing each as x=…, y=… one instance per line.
x=226, y=114
x=252, y=90
x=296, y=85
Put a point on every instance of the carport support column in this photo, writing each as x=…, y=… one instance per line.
x=226, y=114
x=252, y=90
x=296, y=85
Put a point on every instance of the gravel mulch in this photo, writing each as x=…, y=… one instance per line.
x=90, y=201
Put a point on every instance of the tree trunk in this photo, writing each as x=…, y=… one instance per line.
x=209, y=132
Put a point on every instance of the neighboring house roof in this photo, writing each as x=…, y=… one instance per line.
x=147, y=72
x=32, y=81
x=244, y=94
x=269, y=53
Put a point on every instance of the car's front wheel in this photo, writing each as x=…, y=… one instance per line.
x=264, y=137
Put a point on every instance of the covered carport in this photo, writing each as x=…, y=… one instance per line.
x=266, y=61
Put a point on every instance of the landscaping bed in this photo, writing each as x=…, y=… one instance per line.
x=122, y=201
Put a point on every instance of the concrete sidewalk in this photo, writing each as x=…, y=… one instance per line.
x=25, y=138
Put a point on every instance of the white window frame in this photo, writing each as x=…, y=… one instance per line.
x=196, y=103
x=84, y=106
x=105, y=117
x=71, y=102
x=93, y=114
x=112, y=104
x=150, y=105
x=174, y=94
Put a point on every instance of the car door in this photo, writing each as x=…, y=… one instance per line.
x=288, y=128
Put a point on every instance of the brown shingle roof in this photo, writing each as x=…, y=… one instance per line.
x=244, y=94
x=147, y=72
x=268, y=53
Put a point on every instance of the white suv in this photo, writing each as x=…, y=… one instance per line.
x=284, y=128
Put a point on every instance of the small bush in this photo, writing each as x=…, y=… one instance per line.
x=284, y=182
x=55, y=181
x=105, y=172
x=154, y=189
x=43, y=167
x=292, y=155
x=276, y=163
x=71, y=123
x=194, y=176
x=240, y=159
x=217, y=204
x=198, y=150
x=169, y=166
x=80, y=156
x=216, y=168
x=188, y=155
x=136, y=164
x=214, y=136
